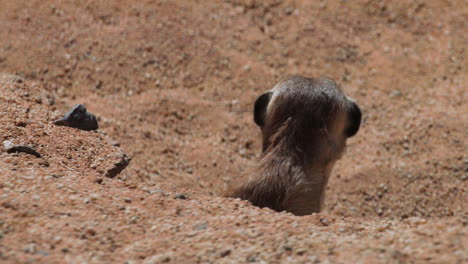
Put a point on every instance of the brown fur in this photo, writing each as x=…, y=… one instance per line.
x=305, y=123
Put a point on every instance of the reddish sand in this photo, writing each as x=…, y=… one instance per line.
x=173, y=83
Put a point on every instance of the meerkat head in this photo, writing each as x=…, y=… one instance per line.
x=305, y=123
x=310, y=118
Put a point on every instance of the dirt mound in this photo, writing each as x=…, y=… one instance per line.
x=27, y=121
x=174, y=82
x=59, y=207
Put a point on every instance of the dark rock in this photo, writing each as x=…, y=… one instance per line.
x=99, y=180
x=79, y=118
x=12, y=148
x=44, y=163
x=21, y=123
x=225, y=253
x=119, y=166
x=181, y=196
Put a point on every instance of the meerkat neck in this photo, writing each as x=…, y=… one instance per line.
x=300, y=182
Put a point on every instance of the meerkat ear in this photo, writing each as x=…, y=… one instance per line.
x=354, y=120
x=260, y=108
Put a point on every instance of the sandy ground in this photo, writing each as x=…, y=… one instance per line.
x=173, y=83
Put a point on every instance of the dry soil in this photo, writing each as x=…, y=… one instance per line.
x=173, y=83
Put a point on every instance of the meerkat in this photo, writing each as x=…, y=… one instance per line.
x=305, y=123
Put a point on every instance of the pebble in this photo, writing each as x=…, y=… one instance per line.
x=99, y=180
x=396, y=93
x=181, y=196
x=324, y=222
x=91, y=232
x=42, y=253
x=416, y=221
x=201, y=226
x=10, y=147
x=133, y=220
x=7, y=145
x=30, y=248
x=242, y=152
x=225, y=253
x=379, y=211
x=383, y=227
x=121, y=164
x=288, y=10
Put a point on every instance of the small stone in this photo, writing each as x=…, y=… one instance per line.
x=383, y=227
x=242, y=151
x=78, y=118
x=118, y=166
x=396, y=93
x=416, y=221
x=91, y=232
x=57, y=239
x=313, y=259
x=98, y=85
x=287, y=248
x=57, y=175
x=324, y=222
x=127, y=200
x=42, y=253
x=19, y=79
x=99, y=180
x=133, y=220
x=288, y=10
x=181, y=196
x=225, y=253
x=21, y=123
x=379, y=211
x=44, y=163
x=9, y=147
x=201, y=226
x=301, y=251
x=30, y=248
